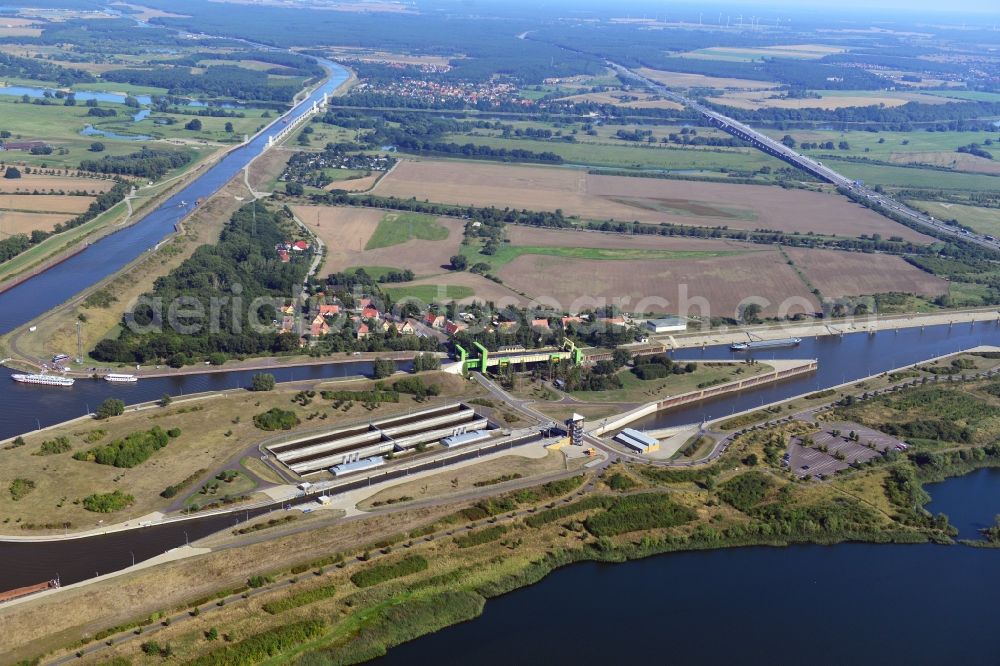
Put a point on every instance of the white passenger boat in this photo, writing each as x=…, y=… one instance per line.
x=120, y=379
x=45, y=380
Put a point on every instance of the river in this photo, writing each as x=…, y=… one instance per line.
x=851, y=603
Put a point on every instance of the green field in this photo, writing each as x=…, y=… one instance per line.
x=397, y=228
x=506, y=253
x=866, y=144
x=634, y=157
x=971, y=95
x=891, y=176
x=429, y=293
x=983, y=220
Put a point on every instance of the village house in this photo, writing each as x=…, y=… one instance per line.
x=361, y=332
x=451, y=328
x=541, y=324
x=319, y=327
x=434, y=320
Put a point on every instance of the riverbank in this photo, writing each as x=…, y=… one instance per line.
x=827, y=327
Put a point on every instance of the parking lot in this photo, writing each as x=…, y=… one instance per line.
x=821, y=460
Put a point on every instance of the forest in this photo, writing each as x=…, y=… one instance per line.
x=216, y=81
x=147, y=163
x=220, y=282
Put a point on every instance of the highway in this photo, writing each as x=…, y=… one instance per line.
x=809, y=165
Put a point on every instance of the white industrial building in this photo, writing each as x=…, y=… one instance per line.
x=667, y=325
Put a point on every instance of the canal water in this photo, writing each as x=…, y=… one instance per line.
x=841, y=359
x=851, y=603
x=109, y=254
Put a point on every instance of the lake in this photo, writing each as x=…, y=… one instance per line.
x=851, y=603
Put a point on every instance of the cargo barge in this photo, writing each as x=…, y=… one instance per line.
x=757, y=345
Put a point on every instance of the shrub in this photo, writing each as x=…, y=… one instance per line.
x=746, y=490
x=53, y=446
x=261, y=646
x=110, y=407
x=276, y=419
x=259, y=581
x=107, y=502
x=299, y=599
x=480, y=537
x=262, y=381
x=383, y=572
x=170, y=491
x=619, y=482
x=556, y=513
x=19, y=488
x=639, y=512
x=133, y=450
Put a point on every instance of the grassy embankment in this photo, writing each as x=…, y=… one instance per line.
x=388, y=589
x=212, y=430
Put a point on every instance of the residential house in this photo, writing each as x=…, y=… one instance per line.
x=300, y=246
x=370, y=313
x=319, y=327
x=361, y=332
x=451, y=328
x=329, y=309
x=434, y=320
x=408, y=327
x=541, y=324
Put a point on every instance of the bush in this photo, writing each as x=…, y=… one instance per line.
x=639, y=512
x=96, y=147
x=107, y=502
x=12, y=173
x=619, y=482
x=170, y=491
x=556, y=513
x=261, y=646
x=276, y=419
x=299, y=599
x=53, y=446
x=110, y=407
x=383, y=572
x=746, y=490
x=133, y=450
x=259, y=581
x=19, y=488
x=262, y=381
x=480, y=537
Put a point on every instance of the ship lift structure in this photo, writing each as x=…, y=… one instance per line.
x=507, y=356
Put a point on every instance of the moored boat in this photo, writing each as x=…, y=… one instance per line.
x=44, y=380
x=755, y=345
x=120, y=378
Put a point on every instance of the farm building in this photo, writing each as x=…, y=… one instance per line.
x=667, y=325
x=637, y=441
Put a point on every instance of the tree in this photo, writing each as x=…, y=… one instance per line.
x=294, y=189
x=383, y=368
x=788, y=140
x=194, y=125
x=750, y=313
x=212, y=634
x=165, y=400
x=229, y=128
x=262, y=381
x=12, y=172
x=458, y=262
x=110, y=407
x=96, y=147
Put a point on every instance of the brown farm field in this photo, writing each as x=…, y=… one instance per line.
x=16, y=222
x=45, y=203
x=651, y=200
x=839, y=274
x=713, y=286
x=950, y=160
x=28, y=183
x=541, y=237
x=346, y=232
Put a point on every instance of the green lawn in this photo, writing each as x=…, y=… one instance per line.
x=875, y=174
x=430, y=293
x=647, y=390
x=397, y=228
x=866, y=144
x=640, y=156
x=983, y=220
x=506, y=253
